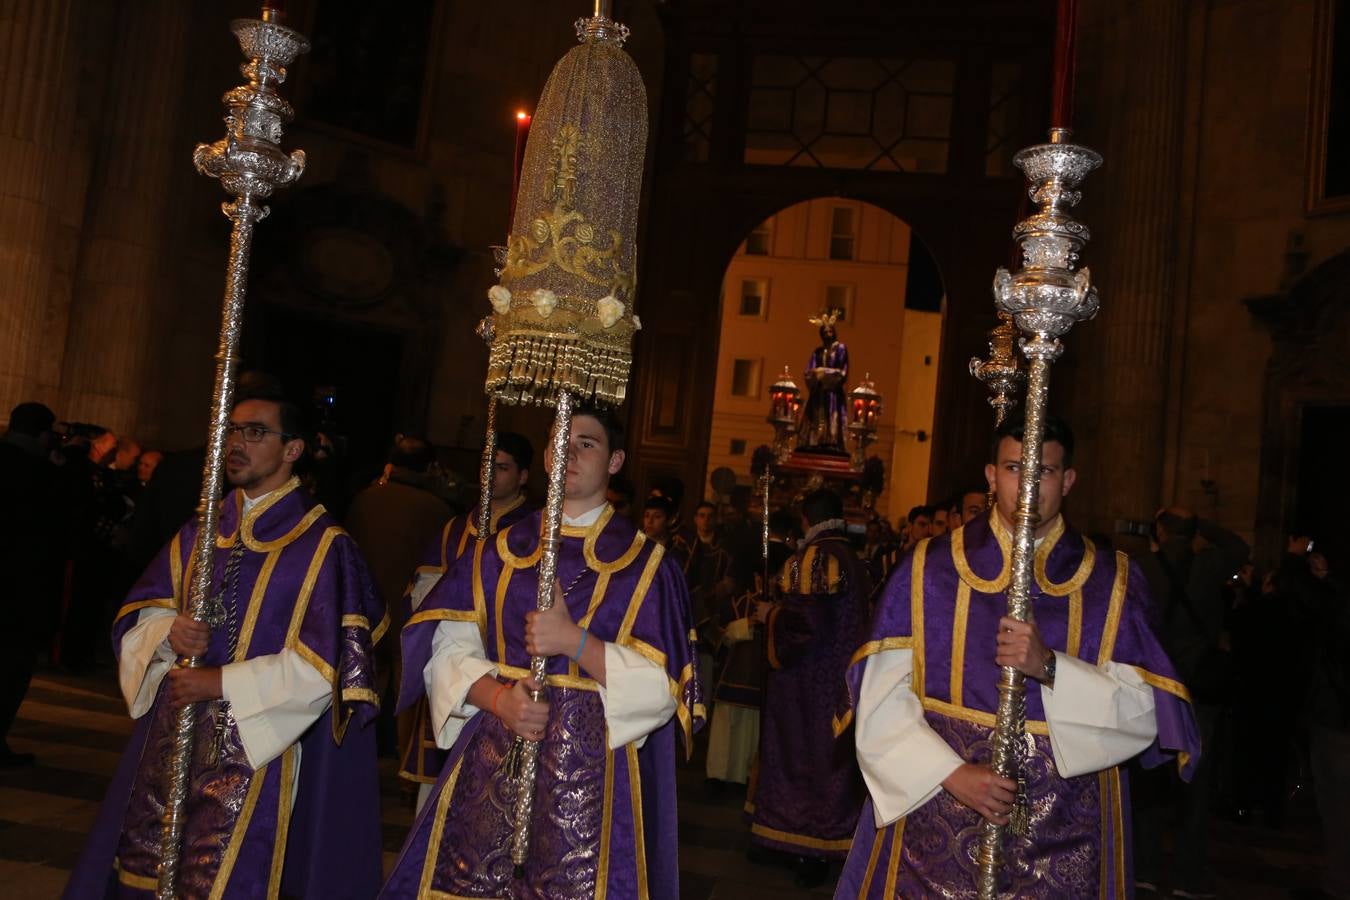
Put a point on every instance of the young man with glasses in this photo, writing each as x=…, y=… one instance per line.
x=280, y=799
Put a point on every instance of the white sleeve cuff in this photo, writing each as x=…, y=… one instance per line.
x=273, y=700
x=422, y=584
x=1099, y=716
x=458, y=659
x=738, y=631
x=146, y=658
x=903, y=761
x=636, y=696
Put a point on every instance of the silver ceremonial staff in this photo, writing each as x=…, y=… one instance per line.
x=250, y=166
x=1045, y=298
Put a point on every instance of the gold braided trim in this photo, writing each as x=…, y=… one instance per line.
x=1113, y=612
x=897, y=848
x=283, y=821
x=129, y=608
x=132, y=880
x=770, y=645
x=977, y=716
x=241, y=824
x=625, y=559
x=916, y=614
x=1075, y=639
x=1163, y=683
x=255, y=602
x=871, y=864
x=800, y=840
x=640, y=592
x=575, y=682
x=438, y=829
x=606, y=826
x=871, y=648
x=307, y=586
x=441, y=615
x=1078, y=578
x=380, y=629
x=960, y=617
x=639, y=837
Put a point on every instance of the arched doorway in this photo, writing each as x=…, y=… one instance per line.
x=869, y=268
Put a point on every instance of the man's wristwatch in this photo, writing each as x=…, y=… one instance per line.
x=1048, y=675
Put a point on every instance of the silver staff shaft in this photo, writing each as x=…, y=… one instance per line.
x=1045, y=298
x=487, y=470
x=550, y=540
x=245, y=214
x=250, y=166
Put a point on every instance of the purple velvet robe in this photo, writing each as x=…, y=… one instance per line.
x=944, y=602
x=302, y=585
x=603, y=819
x=422, y=760
x=807, y=791
x=825, y=419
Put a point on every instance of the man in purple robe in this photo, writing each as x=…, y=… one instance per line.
x=923, y=689
x=825, y=419
x=283, y=795
x=422, y=760
x=808, y=792
x=620, y=684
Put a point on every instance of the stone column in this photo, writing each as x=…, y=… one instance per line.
x=1139, y=106
x=38, y=65
x=123, y=281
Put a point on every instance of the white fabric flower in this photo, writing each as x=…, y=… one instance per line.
x=501, y=299
x=609, y=310
x=544, y=302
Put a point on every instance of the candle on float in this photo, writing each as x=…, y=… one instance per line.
x=1061, y=107
x=518, y=159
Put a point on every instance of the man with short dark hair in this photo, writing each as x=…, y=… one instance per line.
x=284, y=797
x=806, y=799
x=620, y=678
x=422, y=760
x=919, y=526
x=923, y=692
x=974, y=504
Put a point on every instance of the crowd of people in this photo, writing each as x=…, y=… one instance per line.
x=848, y=676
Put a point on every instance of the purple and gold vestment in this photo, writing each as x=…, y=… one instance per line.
x=807, y=792
x=943, y=603
x=422, y=760
x=302, y=585
x=604, y=819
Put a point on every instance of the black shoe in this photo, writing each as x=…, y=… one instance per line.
x=810, y=872
x=715, y=787
x=761, y=856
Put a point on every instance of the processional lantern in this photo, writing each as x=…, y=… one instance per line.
x=562, y=323
x=864, y=412
x=785, y=409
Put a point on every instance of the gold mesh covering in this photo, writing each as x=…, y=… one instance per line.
x=563, y=312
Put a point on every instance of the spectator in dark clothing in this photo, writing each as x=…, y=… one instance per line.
x=1328, y=707
x=393, y=521
x=31, y=542
x=1186, y=574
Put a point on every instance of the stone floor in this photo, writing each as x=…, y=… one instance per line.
x=77, y=728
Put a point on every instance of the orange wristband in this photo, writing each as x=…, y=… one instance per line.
x=500, y=688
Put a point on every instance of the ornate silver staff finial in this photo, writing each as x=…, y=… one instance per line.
x=250, y=165
x=1045, y=298
x=1001, y=373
